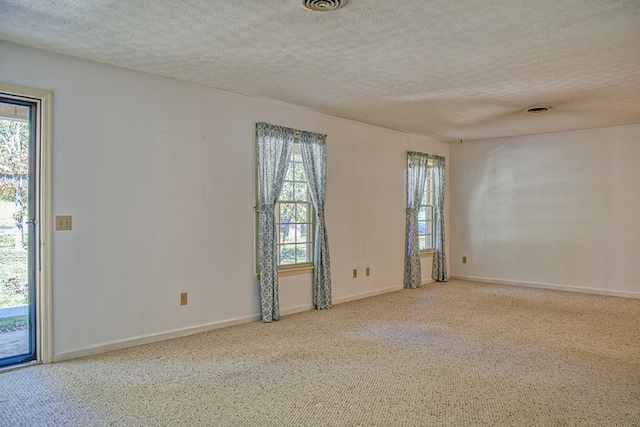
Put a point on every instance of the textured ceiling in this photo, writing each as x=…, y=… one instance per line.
x=444, y=68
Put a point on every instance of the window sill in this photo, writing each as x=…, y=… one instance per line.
x=292, y=270
x=427, y=253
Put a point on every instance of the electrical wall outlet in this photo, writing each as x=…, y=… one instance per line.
x=63, y=222
x=183, y=298
x=355, y=273
x=464, y=259
x=368, y=271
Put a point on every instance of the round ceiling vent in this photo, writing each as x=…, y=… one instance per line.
x=536, y=110
x=323, y=5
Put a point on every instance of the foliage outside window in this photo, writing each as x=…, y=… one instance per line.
x=14, y=169
x=294, y=215
x=426, y=214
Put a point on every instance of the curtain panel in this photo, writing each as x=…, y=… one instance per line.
x=417, y=164
x=274, y=146
x=314, y=159
x=439, y=269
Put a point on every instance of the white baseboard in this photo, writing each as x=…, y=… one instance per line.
x=151, y=338
x=301, y=308
x=553, y=286
x=375, y=293
x=183, y=332
x=298, y=309
x=367, y=295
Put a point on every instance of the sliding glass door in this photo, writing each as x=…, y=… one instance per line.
x=18, y=217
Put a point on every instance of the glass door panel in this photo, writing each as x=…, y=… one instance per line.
x=17, y=231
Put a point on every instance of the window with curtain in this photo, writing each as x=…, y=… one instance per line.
x=424, y=217
x=291, y=234
x=295, y=215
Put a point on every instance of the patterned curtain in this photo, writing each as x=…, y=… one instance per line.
x=416, y=180
x=439, y=269
x=275, y=144
x=314, y=160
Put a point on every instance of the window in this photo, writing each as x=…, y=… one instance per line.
x=426, y=214
x=294, y=215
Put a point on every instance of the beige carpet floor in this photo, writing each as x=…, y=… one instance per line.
x=453, y=354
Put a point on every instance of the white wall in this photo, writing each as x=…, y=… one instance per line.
x=559, y=209
x=159, y=178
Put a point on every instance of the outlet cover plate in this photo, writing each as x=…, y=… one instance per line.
x=63, y=222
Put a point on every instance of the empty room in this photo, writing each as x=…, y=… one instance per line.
x=320, y=213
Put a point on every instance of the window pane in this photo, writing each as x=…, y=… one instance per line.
x=288, y=176
x=287, y=254
x=287, y=191
x=302, y=233
x=287, y=212
x=299, y=172
x=422, y=242
x=421, y=228
x=302, y=213
x=302, y=253
x=429, y=183
x=287, y=233
x=301, y=191
x=428, y=225
x=429, y=213
x=421, y=213
x=429, y=242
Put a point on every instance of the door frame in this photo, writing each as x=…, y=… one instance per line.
x=43, y=262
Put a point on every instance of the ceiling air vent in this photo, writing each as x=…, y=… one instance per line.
x=323, y=5
x=535, y=110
